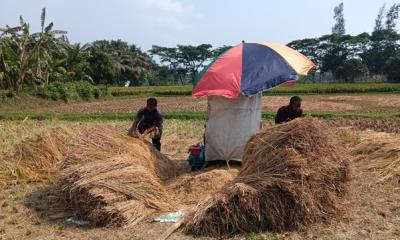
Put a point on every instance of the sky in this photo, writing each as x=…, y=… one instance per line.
x=171, y=22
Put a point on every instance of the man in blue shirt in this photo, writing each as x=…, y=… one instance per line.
x=148, y=119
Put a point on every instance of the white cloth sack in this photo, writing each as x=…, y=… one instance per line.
x=230, y=124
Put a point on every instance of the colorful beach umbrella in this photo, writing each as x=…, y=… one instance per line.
x=250, y=68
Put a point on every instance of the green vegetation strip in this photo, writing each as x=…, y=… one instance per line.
x=300, y=88
x=174, y=115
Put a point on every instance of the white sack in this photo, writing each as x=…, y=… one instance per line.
x=230, y=124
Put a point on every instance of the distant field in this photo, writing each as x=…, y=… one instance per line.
x=300, y=88
x=151, y=90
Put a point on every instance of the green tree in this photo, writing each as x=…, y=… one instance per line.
x=392, y=16
x=101, y=69
x=129, y=62
x=15, y=55
x=335, y=51
x=160, y=75
x=139, y=64
x=218, y=51
x=339, y=27
x=116, y=62
x=170, y=56
x=379, y=19
x=392, y=68
x=194, y=57
x=352, y=69
x=75, y=61
x=9, y=64
x=382, y=45
x=383, y=42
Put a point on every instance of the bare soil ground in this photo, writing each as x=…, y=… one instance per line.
x=329, y=103
x=374, y=206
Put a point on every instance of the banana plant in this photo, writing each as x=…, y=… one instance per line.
x=44, y=43
x=14, y=54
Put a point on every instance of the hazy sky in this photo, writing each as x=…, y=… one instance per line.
x=171, y=22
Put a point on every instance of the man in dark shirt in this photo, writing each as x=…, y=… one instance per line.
x=148, y=119
x=289, y=112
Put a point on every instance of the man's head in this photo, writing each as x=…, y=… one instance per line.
x=295, y=103
x=151, y=104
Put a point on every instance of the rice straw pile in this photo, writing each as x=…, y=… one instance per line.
x=190, y=188
x=37, y=158
x=293, y=175
x=380, y=152
x=114, y=180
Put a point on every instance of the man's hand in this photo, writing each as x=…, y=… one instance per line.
x=130, y=133
x=135, y=134
x=140, y=136
x=148, y=131
x=157, y=132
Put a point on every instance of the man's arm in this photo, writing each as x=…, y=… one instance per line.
x=301, y=114
x=160, y=120
x=279, y=116
x=133, y=128
x=139, y=116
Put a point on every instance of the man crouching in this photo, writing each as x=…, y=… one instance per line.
x=148, y=120
x=289, y=112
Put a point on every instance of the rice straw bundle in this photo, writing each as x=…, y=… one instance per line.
x=37, y=158
x=380, y=152
x=114, y=180
x=102, y=142
x=293, y=175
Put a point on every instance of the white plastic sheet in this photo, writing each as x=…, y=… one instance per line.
x=230, y=125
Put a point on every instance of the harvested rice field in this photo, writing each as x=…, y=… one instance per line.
x=326, y=178
x=50, y=182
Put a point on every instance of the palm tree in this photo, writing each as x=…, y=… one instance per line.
x=140, y=63
x=129, y=62
x=116, y=62
x=76, y=62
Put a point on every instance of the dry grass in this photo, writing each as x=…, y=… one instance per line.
x=190, y=188
x=29, y=145
x=293, y=175
x=13, y=133
x=178, y=135
x=379, y=152
x=389, y=125
x=36, y=158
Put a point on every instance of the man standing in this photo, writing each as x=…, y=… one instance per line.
x=289, y=112
x=148, y=119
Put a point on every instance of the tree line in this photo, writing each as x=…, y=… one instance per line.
x=34, y=60
x=350, y=58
